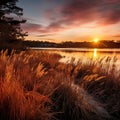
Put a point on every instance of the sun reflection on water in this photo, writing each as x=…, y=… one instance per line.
x=105, y=57
x=95, y=53
x=86, y=55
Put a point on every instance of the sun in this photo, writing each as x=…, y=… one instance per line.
x=96, y=40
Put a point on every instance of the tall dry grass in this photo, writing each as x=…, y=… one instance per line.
x=36, y=86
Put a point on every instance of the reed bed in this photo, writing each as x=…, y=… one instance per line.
x=34, y=85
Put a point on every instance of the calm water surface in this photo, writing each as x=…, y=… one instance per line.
x=107, y=57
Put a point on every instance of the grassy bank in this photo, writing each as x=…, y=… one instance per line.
x=36, y=86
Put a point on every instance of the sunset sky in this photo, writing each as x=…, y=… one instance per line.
x=71, y=20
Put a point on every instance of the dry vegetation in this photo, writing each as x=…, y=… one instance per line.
x=36, y=86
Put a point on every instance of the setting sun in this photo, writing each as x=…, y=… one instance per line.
x=96, y=40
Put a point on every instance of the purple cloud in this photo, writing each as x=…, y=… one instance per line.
x=79, y=12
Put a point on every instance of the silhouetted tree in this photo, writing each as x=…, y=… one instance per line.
x=10, y=24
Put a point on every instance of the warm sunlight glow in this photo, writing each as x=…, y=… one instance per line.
x=95, y=53
x=96, y=40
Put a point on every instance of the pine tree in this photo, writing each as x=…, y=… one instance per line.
x=11, y=33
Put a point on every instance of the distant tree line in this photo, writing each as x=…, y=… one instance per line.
x=11, y=34
x=101, y=44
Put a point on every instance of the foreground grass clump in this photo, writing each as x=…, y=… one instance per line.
x=36, y=86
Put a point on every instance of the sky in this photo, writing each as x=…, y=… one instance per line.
x=71, y=20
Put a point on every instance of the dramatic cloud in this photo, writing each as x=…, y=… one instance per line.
x=44, y=35
x=111, y=16
x=37, y=28
x=77, y=12
x=118, y=36
x=30, y=27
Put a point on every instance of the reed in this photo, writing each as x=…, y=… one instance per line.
x=34, y=85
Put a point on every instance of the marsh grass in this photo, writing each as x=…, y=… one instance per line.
x=36, y=86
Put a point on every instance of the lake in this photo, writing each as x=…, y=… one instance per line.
x=107, y=57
